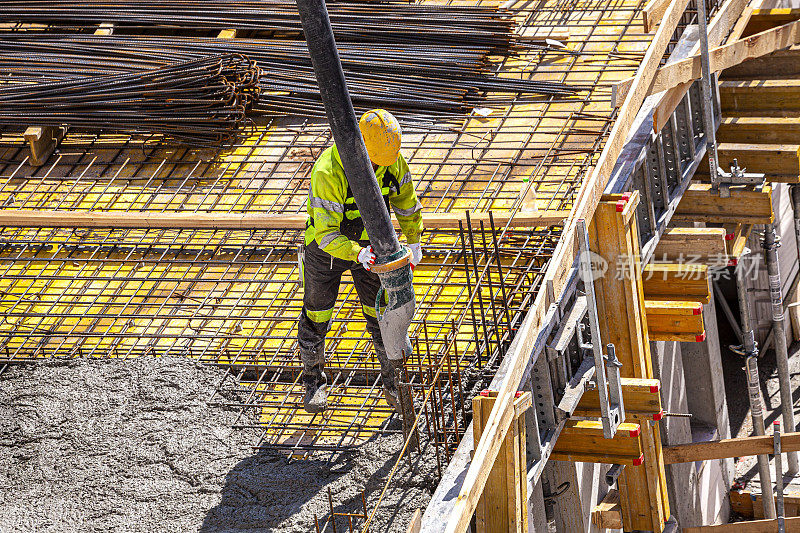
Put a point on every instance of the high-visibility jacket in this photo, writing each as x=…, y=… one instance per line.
x=333, y=218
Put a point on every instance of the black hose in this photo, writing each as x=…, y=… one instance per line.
x=342, y=119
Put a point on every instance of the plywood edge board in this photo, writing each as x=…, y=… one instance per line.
x=211, y=220
x=556, y=275
x=722, y=57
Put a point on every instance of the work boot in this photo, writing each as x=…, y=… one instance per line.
x=315, y=399
x=389, y=370
x=315, y=381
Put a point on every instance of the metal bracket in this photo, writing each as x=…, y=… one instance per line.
x=607, y=367
x=737, y=176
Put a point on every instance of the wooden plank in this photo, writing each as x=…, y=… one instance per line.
x=416, y=522
x=494, y=511
x=675, y=321
x=502, y=506
x=700, y=203
x=718, y=28
x=741, y=25
x=780, y=162
x=759, y=97
x=608, y=514
x=741, y=502
x=693, y=245
x=556, y=275
x=620, y=300
x=677, y=281
x=663, y=111
x=760, y=130
x=782, y=64
x=755, y=526
x=737, y=241
x=652, y=13
x=750, y=503
x=641, y=397
x=725, y=448
x=585, y=438
x=721, y=57
x=765, y=19
x=200, y=220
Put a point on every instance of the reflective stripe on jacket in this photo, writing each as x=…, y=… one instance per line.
x=333, y=218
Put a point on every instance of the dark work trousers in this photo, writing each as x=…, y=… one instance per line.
x=322, y=274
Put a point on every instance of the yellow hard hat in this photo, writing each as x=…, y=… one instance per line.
x=381, y=133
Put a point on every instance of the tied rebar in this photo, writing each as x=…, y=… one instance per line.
x=407, y=79
x=491, y=28
x=202, y=100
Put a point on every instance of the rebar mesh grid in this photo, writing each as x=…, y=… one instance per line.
x=232, y=297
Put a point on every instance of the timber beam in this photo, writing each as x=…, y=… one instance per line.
x=736, y=239
x=614, y=236
x=727, y=448
x=760, y=130
x=198, y=220
x=641, y=398
x=608, y=513
x=677, y=282
x=762, y=97
x=693, y=245
x=583, y=441
x=42, y=141
x=700, y=203
x=675, y=321
x=765, y=19
x=652, y=13
x=722, y=57
x=783, y=63
x=779, y=162
x=503, y=504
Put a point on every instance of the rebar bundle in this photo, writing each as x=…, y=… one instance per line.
x=375, y=22
x=203, y=100
x=402, y=78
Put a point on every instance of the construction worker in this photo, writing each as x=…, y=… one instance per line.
x=336, y=241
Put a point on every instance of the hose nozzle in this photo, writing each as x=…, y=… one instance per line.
x=396, y=317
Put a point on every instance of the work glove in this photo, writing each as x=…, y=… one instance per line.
x=366, y=257
x=416, y=253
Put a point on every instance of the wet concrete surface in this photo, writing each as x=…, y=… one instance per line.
x=135, y=445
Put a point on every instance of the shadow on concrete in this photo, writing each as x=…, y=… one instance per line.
x=268, y=493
